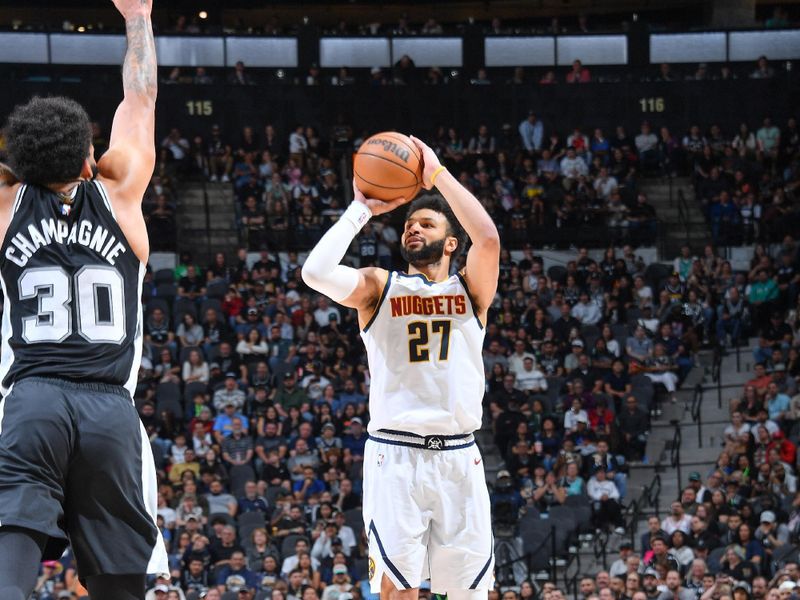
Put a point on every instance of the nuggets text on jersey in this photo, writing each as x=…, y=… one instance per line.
x=403, y=306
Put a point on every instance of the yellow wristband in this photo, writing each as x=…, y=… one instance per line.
x=436, y=172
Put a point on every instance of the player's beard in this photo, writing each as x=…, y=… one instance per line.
x=427, y=255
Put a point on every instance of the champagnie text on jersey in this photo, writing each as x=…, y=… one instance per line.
x=97, y=238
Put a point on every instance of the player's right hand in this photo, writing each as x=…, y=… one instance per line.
x=132, y=8
x=430, y=162
x=376, y=207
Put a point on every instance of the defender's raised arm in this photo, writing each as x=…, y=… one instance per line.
x=131, y=157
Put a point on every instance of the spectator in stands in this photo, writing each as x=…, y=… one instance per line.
x=531, y=132
x=605, y=497
x=240, y=76
x=578, y=73
x=647, y=147
x=763, y=70
x=675, y=591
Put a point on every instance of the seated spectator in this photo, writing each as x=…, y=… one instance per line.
x=675, y=591
x=660, y=368
x=586, y=311
x=235, y=574
x=677, y=520
x=605, y=497
x=230, y=394
x=224, y=423
x=578, y=73
x=530, y=380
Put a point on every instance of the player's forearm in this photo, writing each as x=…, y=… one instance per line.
x=321, y=270
x=140, y=70
x=469, y=212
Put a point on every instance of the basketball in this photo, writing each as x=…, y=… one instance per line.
x=388, y=166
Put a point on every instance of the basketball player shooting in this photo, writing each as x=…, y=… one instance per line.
x=426, y=505
x=75, y=462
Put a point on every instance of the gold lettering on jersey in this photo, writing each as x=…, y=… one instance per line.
x=97, y=238
x=403, y=306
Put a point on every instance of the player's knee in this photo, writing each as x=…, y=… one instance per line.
x=390, y=591
x=467, y=594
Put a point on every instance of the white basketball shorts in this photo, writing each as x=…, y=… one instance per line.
x=427, y=512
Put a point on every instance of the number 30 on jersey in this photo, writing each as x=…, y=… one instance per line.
x=99, y=294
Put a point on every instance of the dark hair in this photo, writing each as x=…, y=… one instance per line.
x=48, y=139
x=454, y=228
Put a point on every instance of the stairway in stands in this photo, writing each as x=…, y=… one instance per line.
x=663, y=193
x=698, y=449
x=203, y=235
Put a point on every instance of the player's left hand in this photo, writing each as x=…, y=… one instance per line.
x=376, y=207
x=430, y=162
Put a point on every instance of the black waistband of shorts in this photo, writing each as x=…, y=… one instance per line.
x=423, y=442
x=71, y=384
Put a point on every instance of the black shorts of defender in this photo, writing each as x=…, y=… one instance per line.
x=71, y=468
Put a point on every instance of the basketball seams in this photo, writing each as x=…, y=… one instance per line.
x=396, y=164
x=385, y=187
x=399, y=137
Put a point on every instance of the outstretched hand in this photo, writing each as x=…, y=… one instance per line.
x=132, y=8
x=430, y=162
x=376, y=207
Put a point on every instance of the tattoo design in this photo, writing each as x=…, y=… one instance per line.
x=139, y=72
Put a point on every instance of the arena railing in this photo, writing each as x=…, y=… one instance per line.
x=697, y=412
x=675, y=449
x=444, y=51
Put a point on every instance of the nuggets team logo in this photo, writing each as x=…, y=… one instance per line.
x=380, y=459
x=371, y=568
x=434, y=442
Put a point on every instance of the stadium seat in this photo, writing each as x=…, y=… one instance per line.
x=248, y=522
x=655, y=273
x=195, y=387
x=185, y=351
x=713, y=559
x=557, y=273
x=183, y=306
x=239, y=475
x=167, y=291
x=154, y=303
x=168, y=398
x=355, y=519
x=216, y=289
x=229, y=520
x=211, y=303
x=164, y=276
x=287, y=546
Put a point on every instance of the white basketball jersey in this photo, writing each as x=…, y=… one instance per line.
x=424, y=346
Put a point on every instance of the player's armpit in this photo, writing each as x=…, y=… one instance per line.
x=368, y=292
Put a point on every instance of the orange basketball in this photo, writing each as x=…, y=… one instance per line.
x=388, y=166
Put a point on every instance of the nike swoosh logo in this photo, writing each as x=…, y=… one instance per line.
x=477, y=461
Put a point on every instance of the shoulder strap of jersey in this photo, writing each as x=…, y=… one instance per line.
x=18, y=199
x=384, y=293
x=104, y=195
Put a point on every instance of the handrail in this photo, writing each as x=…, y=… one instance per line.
x=207, y=209
x=654, y=494
x=549, y=538
x=600, y=546
x=683, y=215
x=675, y=450
x=697, y=413
x=716, y=374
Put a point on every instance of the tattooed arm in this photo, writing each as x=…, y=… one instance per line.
x=131, y=156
